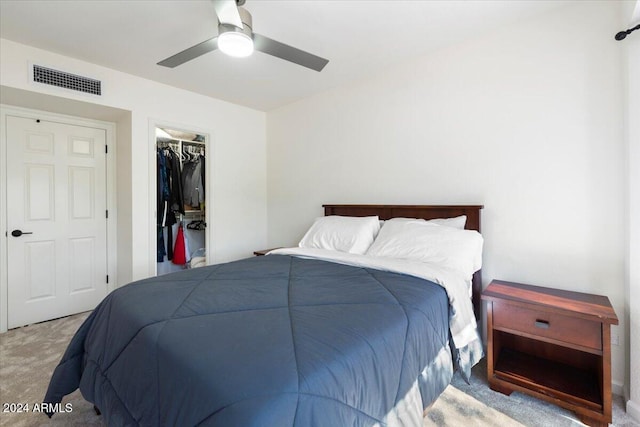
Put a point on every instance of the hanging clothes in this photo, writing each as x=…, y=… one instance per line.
x=179, y=256
x=170, y=242
x=161, y=252
x=202, y=174
x=180, y=188
x=162, y=191
x=187, y=250
x=192, y=182
x=169, y=193
x=163, y=186
x=174, y=175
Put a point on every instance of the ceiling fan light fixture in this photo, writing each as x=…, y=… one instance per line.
x=235, y=42
x=236, y=38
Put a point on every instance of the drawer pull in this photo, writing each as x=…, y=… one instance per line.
x=542, y=324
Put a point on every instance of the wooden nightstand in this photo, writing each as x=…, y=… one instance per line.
x=552, y=344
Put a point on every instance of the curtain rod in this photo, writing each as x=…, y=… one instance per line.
x=622, y=34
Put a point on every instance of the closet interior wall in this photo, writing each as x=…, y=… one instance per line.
x=181, y=190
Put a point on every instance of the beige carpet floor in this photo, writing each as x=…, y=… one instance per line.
x=28, y=356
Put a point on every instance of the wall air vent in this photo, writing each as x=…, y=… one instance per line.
x=53, y=77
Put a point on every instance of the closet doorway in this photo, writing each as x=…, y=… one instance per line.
x=181, y=199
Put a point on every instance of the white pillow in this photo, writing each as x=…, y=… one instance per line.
x=457, y=222
x=342, y=233
x=425, y=241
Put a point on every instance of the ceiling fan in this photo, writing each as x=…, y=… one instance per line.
x=236, y=38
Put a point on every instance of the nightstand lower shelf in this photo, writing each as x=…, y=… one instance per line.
x=551, y=378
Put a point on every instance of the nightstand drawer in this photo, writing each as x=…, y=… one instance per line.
x=548, y=325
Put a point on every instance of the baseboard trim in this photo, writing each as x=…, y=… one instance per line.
x=617, y=389
x=633, y=409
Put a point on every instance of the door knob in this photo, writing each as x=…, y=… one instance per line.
x=18, y=233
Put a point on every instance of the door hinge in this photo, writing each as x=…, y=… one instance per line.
x=106, y=213
x=107, y=278
x=106, y=148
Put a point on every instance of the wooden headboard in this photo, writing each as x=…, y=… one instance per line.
x=424, y=212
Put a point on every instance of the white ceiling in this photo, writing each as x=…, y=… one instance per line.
x=359, y=37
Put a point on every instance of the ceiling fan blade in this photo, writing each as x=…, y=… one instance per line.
x=288, y=53
x=227, y=11
x=191, y=53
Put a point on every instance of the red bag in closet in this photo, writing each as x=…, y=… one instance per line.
x=179, y=254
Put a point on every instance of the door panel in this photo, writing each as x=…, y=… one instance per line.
x=39, y=268
x=82, y=256
x=39, y=185
x=56, y=191
x=81, y=197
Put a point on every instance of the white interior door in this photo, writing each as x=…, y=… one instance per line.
x=56, y=218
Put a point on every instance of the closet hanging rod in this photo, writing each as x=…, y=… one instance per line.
x=166, y=145
x=196, y=143
x=163, y=141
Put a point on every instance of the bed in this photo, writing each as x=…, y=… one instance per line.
x=304, y=336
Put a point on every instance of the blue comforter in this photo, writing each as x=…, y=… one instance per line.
x=269, y=341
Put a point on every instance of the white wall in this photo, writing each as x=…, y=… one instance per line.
x=631, y=18
x=527, y=120
x=238, y=151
